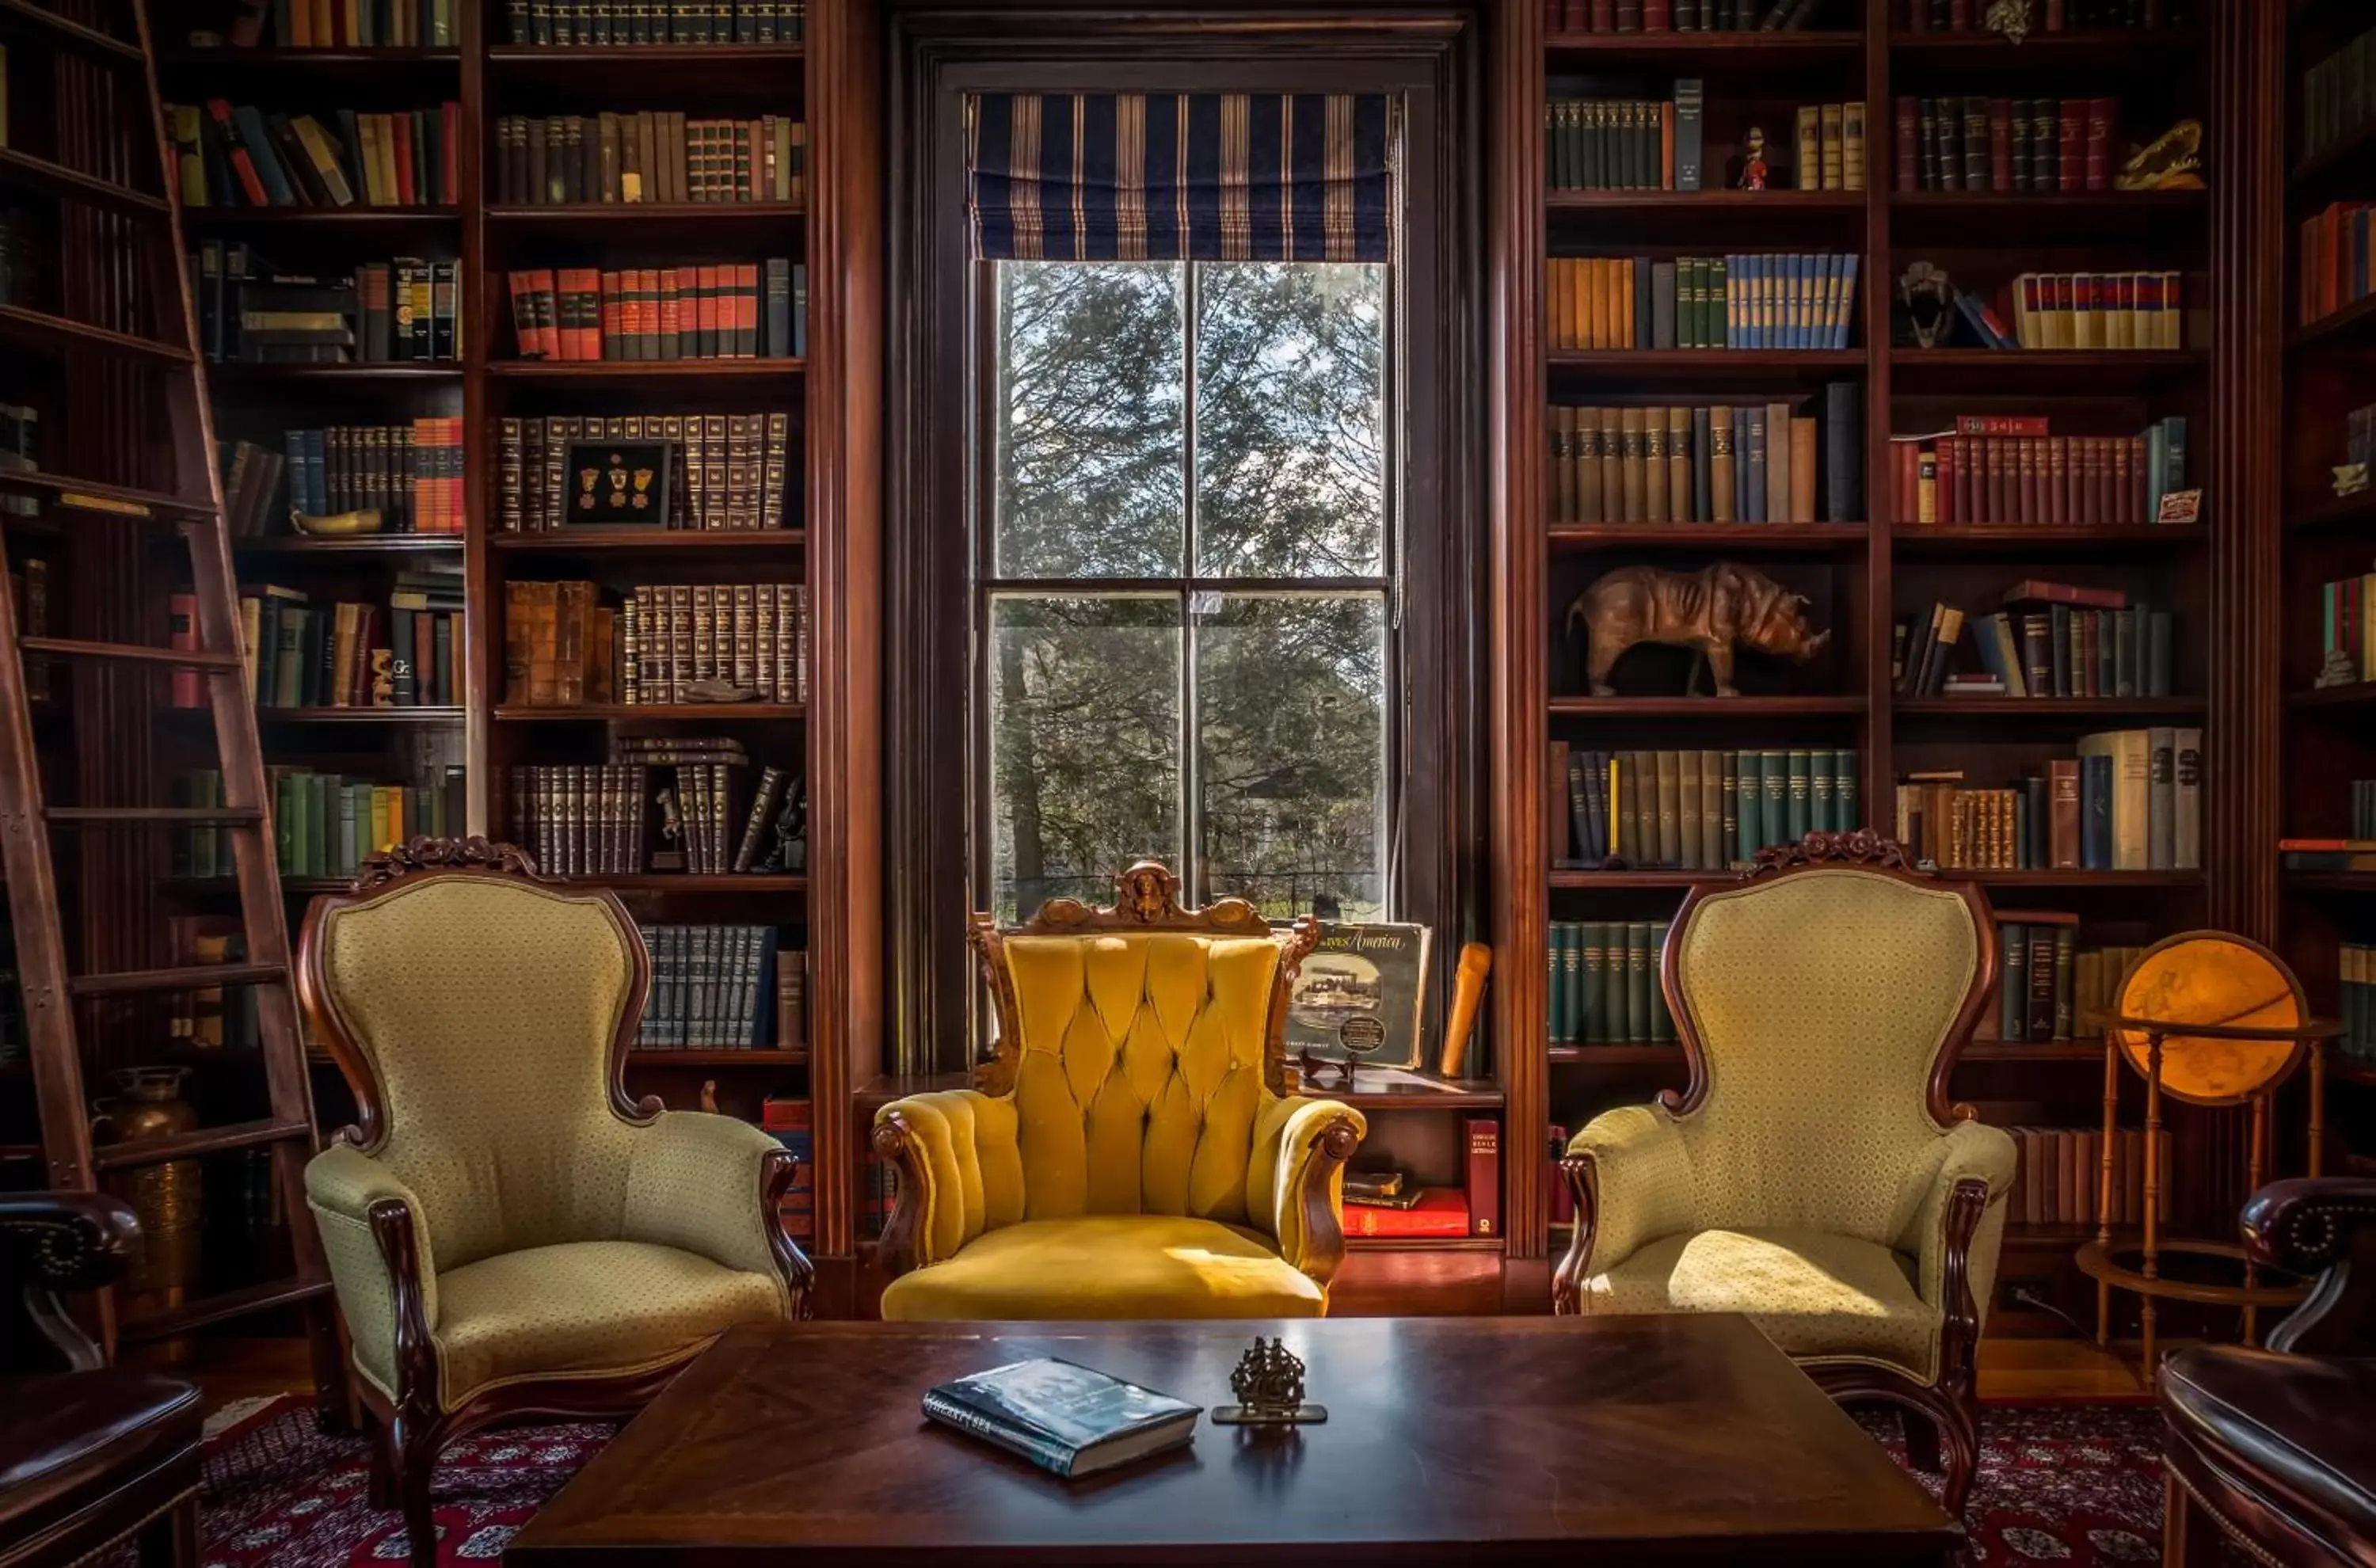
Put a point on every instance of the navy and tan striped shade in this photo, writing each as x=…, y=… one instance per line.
x=1166, y=177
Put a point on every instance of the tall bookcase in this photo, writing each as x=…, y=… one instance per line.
x=2329, y=369
x=1867, y=572
x=818, y=75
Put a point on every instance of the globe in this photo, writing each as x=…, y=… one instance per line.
x=2215, y=978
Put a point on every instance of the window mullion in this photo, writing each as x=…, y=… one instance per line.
x=1192, y=792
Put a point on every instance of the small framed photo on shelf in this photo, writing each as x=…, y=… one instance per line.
x=620, y=483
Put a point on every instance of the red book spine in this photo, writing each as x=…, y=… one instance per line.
x=614, y=319
x=1967, y=491
x=1604, y=16
x=1484, y=1176
x=219, y=110
x=1657, y=16
x=1959, y=15
x=746, y=309
x=544, y=289
x=2100, y=476
x=1440, y=1211
x=2033, y=459
x=2058, y=479
x=1553, y=17
x=408, y=189
x=1909, y=480
x=672, y=311
x=1909, y=151
x=1918, y=15
x=586, y=285
x=2101, y=111
x=2056, y=20
x=1999, y=143
x=2001, y=425
x=1574, y=15
x=2075, y=142
x=2002, y=478
x=1946, y=479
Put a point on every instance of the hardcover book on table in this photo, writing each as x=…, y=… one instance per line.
x=1360, y=971
x=1066, y=1418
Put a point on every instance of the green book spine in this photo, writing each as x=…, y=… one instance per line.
x=1715, y=805
x=1750, y=777
x=1662, y=1023
x=284, y=823
x=1553, y=977
x=1637, y=982
x=1820, y=787
x=1688, y=805
x=1669, y=848
x=1845, y=810
x=1595, y=937
x=1731, y=805
x=1571, y=981
x=2012, y=982
x=1776, y=768
x=2066, y=956
x=1801, y=765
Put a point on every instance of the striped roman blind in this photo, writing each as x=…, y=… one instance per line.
x=1166, y=177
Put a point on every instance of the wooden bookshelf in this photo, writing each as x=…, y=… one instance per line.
x=827, y=510
x=1865, y=574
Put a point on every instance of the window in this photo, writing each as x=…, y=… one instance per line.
x=1184, y=580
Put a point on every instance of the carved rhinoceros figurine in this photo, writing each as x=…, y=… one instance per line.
x=1713, y=610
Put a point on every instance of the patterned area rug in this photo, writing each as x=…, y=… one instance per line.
x=2072, y=1485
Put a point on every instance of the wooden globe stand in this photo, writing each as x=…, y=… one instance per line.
x=2137, y=1268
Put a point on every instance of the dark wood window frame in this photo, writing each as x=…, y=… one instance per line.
x=1437, y=741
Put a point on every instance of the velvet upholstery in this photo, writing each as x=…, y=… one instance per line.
x=1141, y=1166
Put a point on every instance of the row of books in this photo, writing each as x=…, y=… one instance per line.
x=724, y=471
x=2132, y=800
x=1996, y=469
x=2336, y=97
x=788, y=1119
x=2347, y=630
x=2052, y=16
x=1714, y=463
x=1390, y=1202
x=2356, y=973
x=595, y=819
x=1831, y=147
x=2005, y=143
x=409, y=474
x=216, y=1016
x=576, y=23
x=2091, y=310
x=251, y=312
x=714, y=988
x=669, y=643
x=2059, y=1177
x=1609, y=144
x=237, y=155
x=1686, y=16
x=2335, y=268
x=1694, y=810
x=338, y=24
x=1604, y=983
x=2359, y=436
x=325, y=824
x=1759, y=301
x=350, y=654
x=2355, y=853
x=2363, y=808
x=251, y=483
x=725, y=312
x=632, y=156
x=2055, y=651
x=2046, y=990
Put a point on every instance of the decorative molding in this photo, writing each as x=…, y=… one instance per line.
x=1861, y=847
x=424, y=854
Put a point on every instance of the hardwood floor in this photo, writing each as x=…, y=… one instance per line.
x=2010, y=1369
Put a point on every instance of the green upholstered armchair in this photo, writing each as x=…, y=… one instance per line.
x=1813, y=1174
x=1136, y=1150
x=508, y=1233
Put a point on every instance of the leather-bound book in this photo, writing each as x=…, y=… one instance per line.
x=2070, y=149
x=1754, y=508
x=1843, y=452
x=1703, y=468
x=1484, y=1139
x=1679, y=463
x=1669, y=848
x=1721, y=498
x=1999, y=143
x=1908, y=145
x=1633, y=474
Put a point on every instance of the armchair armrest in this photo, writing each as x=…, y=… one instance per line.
x=1295, y=1179
x=2324, y=1226
x=54, y=1242
x=711, y=1185
x=960, y=1161
x=375, y=1235
x=1631, y=1173
x=1955, y=1235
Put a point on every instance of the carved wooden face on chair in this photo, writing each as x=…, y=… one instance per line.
x=1714, y=611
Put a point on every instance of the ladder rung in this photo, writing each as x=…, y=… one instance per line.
x=195, y=977
x=23, y=16
x=179, y=816
x=219, y=1307
x=25, y=171
x=114, y=500
x=179, y=658
x=44, y=331
x=195, y=1142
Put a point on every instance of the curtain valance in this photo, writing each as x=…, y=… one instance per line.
x=1165, y=177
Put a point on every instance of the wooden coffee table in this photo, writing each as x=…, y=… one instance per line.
x=1638, y=1439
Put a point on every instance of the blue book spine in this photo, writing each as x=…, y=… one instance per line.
x=1845, y=318
x=2173, y=453
x=317, y=471
x=260, y=152
x=1844, y=788
x=1811, y=295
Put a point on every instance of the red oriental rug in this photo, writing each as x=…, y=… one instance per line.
x=2072, y=1485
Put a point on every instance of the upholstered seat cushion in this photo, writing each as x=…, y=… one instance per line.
x=585, y=1306
x=1107, y=1265
x=1814, y=1294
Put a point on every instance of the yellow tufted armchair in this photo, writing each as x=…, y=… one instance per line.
x=508, y=1234
x=1813, y=1174
x=1135, y=1151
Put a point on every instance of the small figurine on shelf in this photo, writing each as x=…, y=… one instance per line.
x=672, y=858
x=2011, y=17
x=1711, y=611
x=1752, y=160
x=790, y=852
x=1268, y=1382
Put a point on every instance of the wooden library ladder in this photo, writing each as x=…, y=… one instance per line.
x=147, y=199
